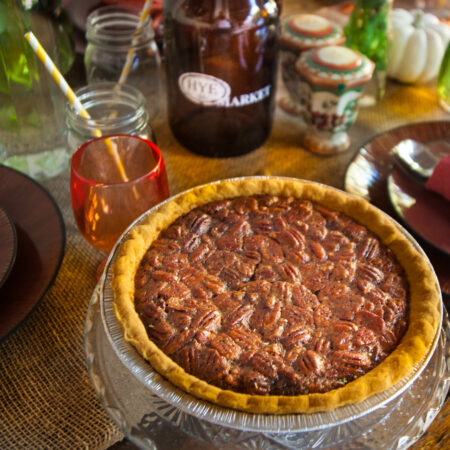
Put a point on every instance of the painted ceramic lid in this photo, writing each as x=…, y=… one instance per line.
x=305, y=31
x=335, y=66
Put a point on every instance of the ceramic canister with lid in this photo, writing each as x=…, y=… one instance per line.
x=330, y=81
x=299, y=33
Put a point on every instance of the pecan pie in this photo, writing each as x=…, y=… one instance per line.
x=275, y=295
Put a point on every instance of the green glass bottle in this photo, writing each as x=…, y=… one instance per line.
x=443, y=81
x=367, y=32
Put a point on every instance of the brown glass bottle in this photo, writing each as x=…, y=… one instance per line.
x=221, y=64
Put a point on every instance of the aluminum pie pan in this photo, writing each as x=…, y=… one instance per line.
x=202, y=409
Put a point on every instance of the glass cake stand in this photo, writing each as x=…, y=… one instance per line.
x=152, y=423
x=154, y=414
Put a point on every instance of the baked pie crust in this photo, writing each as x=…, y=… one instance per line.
x=424, y=296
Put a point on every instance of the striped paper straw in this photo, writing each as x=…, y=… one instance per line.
x=130, y=55
x=70, y=95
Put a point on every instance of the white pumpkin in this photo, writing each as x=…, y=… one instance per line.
x=417, y=46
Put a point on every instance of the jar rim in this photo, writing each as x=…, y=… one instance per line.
x=119, y=27
x=104, y=92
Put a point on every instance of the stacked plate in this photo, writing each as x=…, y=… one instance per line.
x=32, y=241
x=155, y=414
x=8, y=245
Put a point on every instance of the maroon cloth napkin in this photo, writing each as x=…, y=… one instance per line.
x=440, y=178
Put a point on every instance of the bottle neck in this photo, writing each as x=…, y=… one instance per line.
x=118, y=28
x=222, y=14
x=121, y=111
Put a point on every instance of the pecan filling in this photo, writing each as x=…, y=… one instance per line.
x=271, y=295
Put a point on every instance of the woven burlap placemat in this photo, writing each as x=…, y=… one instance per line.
x=46, y=397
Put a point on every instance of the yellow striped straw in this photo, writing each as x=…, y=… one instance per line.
x=130, y=55
x=70, y=95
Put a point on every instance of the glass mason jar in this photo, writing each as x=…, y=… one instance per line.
x=119, y=45
x=31, y=104
x=112, y=111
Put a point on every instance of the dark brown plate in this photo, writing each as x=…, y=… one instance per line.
x=40, y=246
x=426, y=212
x=367, y=176
x=8, y=245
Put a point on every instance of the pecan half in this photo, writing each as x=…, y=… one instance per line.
x=289, y=272
x=351, y=362
x=240, y=315
x=318, y=232
x=293, y=238
x=151, y=309
x=327, y=213
x=322, y=315
x=342, y=341
x=322, y=345
x=246, y=338
x=293, y=354
x=214, y=284
x=345, y=271
x=251, y=256
x=165, y=246
x=190, y=242
x=318, y=250
x=295, y=337
x=266, y=272
x=274, y=332
x=282, y=290
x=255, y=242
x=395, y=286
x=175, y=261
x=200, y=253
x=280, y=223
x=372, y=321
x=213, y=366
x=200, y=224
x=191, y=275
x=179, y=341
x=231, y=242
x=273, y=252
x=370, y=273
x=297, y=257
x=161, y=331
x=189, y=358
x=175, y=289
x=256, y=383
x=228, y=300
x=226, y=346
x=355, y=231
x=266, y=364
x=244, y=204
x=365, y=337
x=344, y=325
x=369, y=249
x=263, y=226
x=208, y=319
x=161, y=275
x=180, y=319
x=311, y=362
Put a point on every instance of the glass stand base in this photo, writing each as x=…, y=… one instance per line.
x=152, y=423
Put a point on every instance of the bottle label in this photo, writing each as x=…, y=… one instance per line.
x=207, y=90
